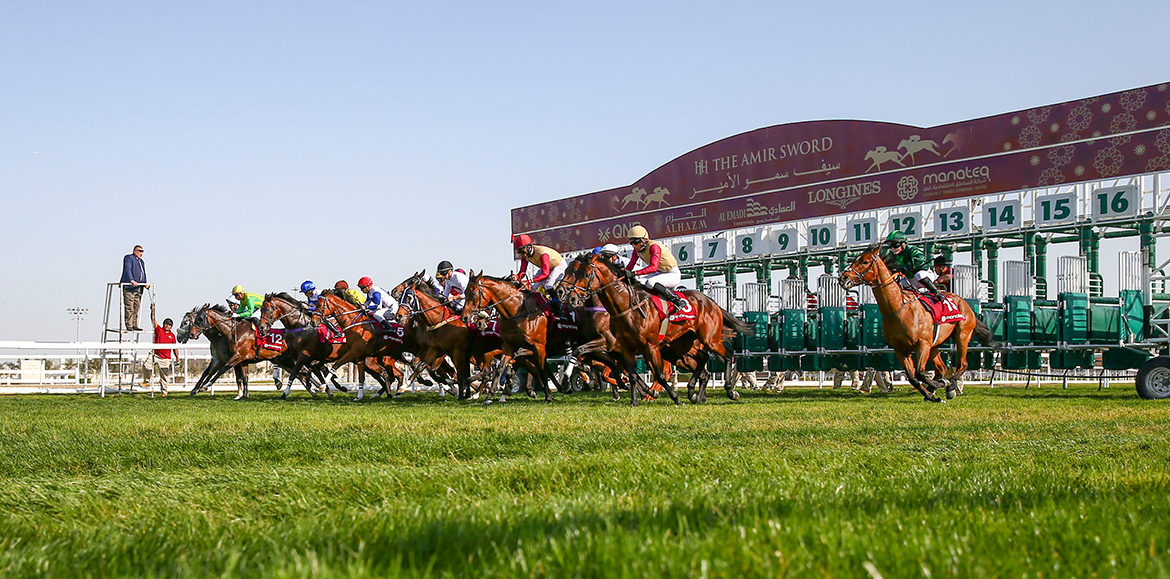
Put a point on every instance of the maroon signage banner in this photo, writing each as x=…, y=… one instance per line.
x=824, y=168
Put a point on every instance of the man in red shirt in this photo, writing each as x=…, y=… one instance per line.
x=162, y=361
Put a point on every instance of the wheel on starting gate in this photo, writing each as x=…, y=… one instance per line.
x=1153, y=379
x=578, y=381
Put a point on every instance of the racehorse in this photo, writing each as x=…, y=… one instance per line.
x=526, y=331
x=439, y=332
x=910, y=329
x=635, y=324
x=363, y=342
x=233, y=344
x=303, y=347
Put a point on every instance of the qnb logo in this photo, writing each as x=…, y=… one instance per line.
x=981, y=173
x=907, y=188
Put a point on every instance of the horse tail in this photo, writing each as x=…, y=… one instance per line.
x=984, y=335
x=733, y=326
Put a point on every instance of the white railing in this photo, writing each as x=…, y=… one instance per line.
x=82, y=354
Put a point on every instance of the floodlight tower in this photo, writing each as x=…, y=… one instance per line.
x=78, y=316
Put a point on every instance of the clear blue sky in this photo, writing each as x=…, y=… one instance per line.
x=264, y=143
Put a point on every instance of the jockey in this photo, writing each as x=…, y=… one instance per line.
x=378, y=301
x=910, y=261
x=355, y=296
x=942, y=268
x=311, y=295
x=249, y=303
x=552, y=265
x=454, y=281
x=609, y=252
x=661, y=271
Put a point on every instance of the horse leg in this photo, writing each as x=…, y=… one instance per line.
x=962, y=341
x=917, y=367
x=656, y=366
x=211, y=368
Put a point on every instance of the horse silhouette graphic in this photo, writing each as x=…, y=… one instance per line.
x=635, y=196
x=880, y=155
x=659, y=196
x=915, y=144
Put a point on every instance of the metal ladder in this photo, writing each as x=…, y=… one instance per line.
x=119, y=366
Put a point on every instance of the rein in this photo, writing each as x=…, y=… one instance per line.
x=413, y=295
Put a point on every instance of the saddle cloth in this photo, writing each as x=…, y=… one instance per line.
x=327, y=337
x=679, y=316
x=492, y=330
x=944, y=311
x=393, y=331
x=564, y=324
x=273, y=342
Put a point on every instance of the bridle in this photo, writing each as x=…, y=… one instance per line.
x=586, y=293
x=410, y=296
x=336, y=315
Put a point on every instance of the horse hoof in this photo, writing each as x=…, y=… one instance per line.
x=532, y=394
x=694, y=398
x=733, y=395
x=951, y=392
x=934, y=399
x=487, y=402
x=284, y=396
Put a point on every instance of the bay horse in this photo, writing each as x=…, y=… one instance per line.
x=635, y=323
x=526, y=331
x=364, y=342
x=909, y=329
x=440, y=333
x=304, y=351
x=233, y=344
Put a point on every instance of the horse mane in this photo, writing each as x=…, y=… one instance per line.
x=220, y=308
x=343, y=294
x=511, y=281
x=295, y=302
x=422, y=284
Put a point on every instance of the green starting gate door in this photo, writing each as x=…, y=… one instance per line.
x=788, y=330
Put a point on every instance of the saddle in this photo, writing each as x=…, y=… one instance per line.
x=944, y=310
x=273, y=342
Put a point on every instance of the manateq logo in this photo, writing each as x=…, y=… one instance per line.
x=966, y=175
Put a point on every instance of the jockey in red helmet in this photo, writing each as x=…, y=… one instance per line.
x=552, y=265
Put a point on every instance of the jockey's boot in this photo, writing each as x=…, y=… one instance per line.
x=665, y=293
x=929, y=283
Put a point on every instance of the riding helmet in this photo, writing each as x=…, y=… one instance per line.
x=365, y=281
x=521, y=240
x=444, y=267
x=896, y=237
x=342, y=285
x=942, y=260
x=307, y=286
x=239, y=289
x=637, y=232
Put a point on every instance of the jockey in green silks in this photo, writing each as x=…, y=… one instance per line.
x=249, y=302
x=910, y=261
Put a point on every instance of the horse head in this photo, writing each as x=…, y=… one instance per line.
x=473, y=299
x=866, y=269
x=582, y=279
x=185, y=327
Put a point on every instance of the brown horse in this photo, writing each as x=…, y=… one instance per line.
x=440, y=333
x=909, y=329
x=363, y=341
x=635, y=323
x=303, y=348
x=528, y=335
x=233, y=345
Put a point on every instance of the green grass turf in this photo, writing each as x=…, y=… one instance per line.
x=999, y=483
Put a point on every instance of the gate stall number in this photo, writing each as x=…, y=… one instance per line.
x=952, y=221
x=684, y=252
x=908, y=223
x=823, y=236
x=1056, y=208
x=783, y=240
x=861, y=231
x=751, y=244
x=1002, y=215
x=1110, y=202
x=715, y=249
